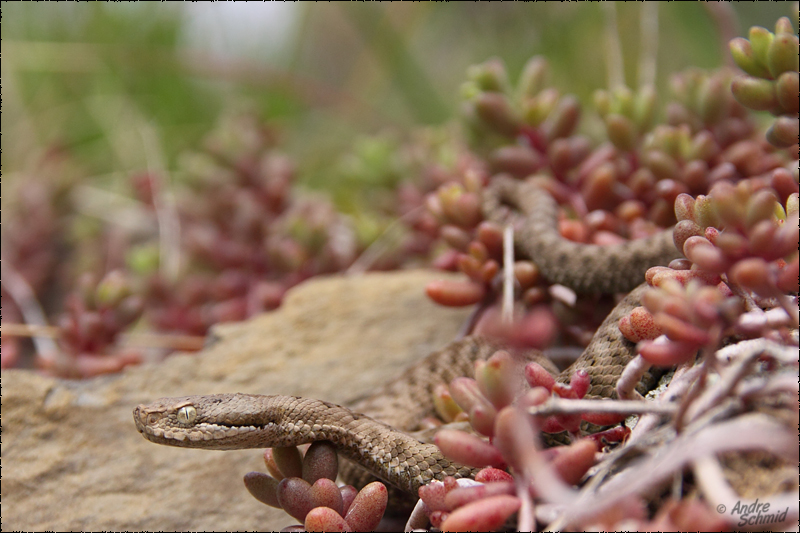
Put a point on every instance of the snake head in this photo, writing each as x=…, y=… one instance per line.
x=219, y=422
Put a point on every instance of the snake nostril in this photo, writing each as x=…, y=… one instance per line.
x=137, y=417
x=141, y=417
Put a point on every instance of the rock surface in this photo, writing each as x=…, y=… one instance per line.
x=73, y=459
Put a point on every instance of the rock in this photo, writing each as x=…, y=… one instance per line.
x=73, y=457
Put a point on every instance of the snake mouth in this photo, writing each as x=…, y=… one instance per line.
x=209, y=436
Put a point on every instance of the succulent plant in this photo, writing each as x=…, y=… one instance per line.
x=708, y=169
x=305, y=488
x=770, y=82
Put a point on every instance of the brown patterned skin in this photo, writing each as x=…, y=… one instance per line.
x=233, y=421
x=585, y=268
x=404, y=402
x=609, y=352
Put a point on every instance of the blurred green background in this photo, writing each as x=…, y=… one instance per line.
x=112, y=83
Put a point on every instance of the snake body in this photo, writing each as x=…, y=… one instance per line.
x=585, y=268
x=234, y=421
x=379, y=442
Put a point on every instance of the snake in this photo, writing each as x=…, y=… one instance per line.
x=375, y=433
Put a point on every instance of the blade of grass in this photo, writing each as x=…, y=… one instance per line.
x=392, y=52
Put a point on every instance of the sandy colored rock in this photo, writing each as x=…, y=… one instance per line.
x=73, y=459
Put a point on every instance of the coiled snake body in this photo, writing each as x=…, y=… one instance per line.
x=383, y=448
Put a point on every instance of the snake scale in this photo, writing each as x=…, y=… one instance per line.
x=380, y=442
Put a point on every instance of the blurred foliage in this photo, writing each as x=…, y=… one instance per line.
x=105, y=103
x=103, y=80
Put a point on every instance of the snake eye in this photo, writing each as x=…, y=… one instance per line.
x=187, y=414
